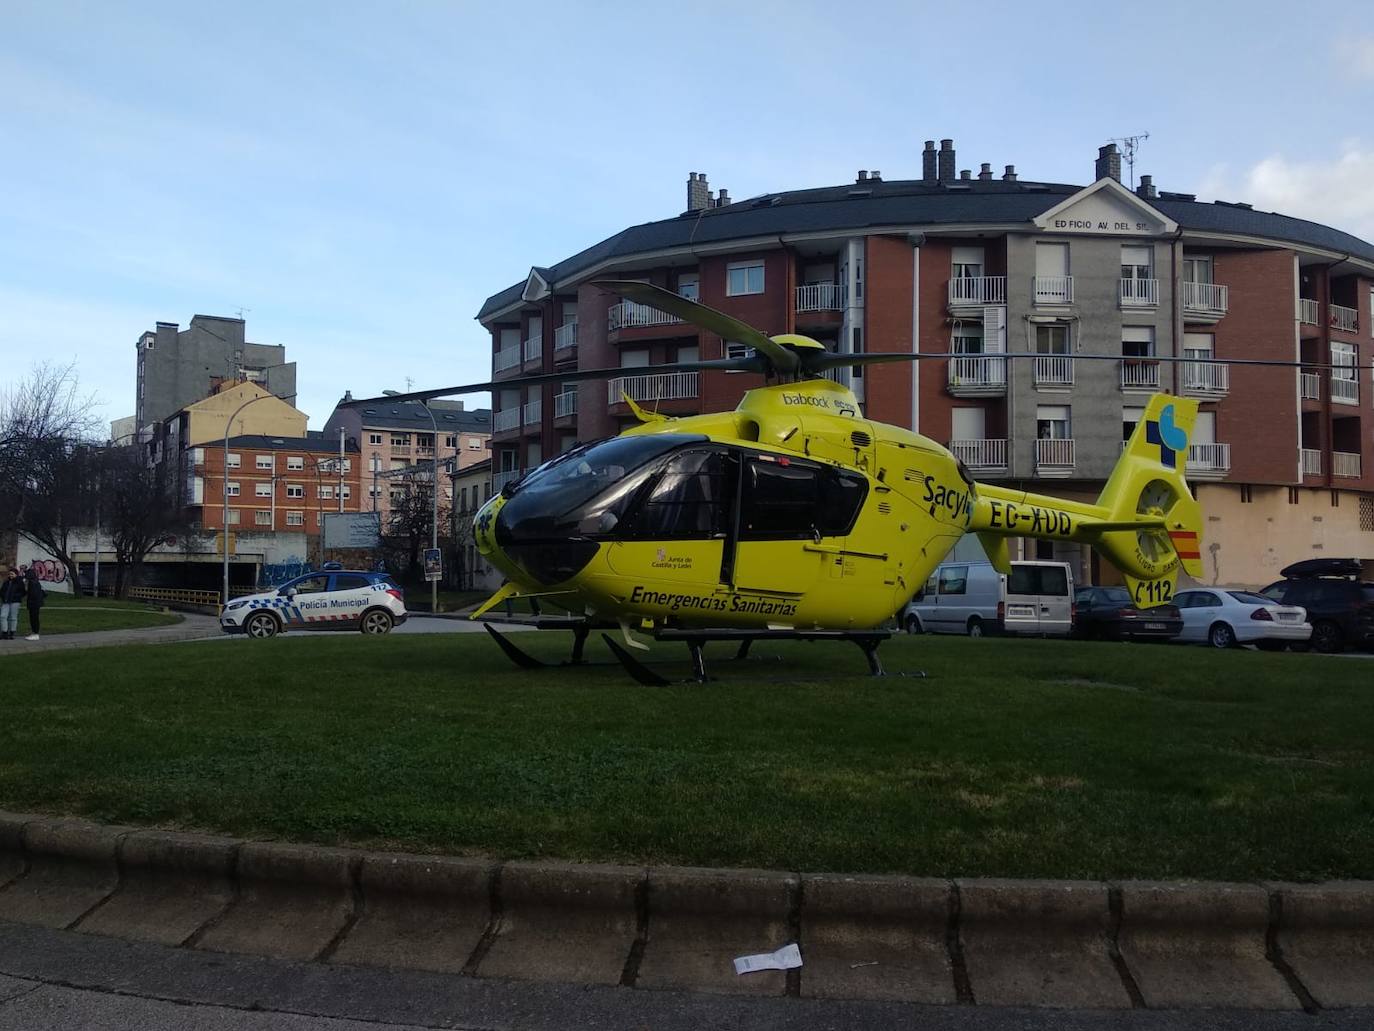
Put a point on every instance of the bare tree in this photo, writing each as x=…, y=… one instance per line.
x=142, y=510
x=62, y=485
x=408, y=527
x=44, y=409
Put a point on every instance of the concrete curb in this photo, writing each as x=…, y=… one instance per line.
x=998, y=942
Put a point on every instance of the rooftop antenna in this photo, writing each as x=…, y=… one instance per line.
x=409, y=383
x=241, y=310
x=1129, y=145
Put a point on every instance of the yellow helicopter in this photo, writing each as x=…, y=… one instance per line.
x=793, y=516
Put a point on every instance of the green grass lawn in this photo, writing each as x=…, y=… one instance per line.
x=1016, y=758
x=65, y=614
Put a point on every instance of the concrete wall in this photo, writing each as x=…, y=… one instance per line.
x=182, y=365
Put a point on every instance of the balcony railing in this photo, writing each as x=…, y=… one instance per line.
x=820, y=297
x=505, y=476
x=1207, y=298
x=1345, y=463
x=980, y=372
x=628, y=315
x=506, y=358
x=1209, y=458
x=978, y=290
x=532, y=412
x=505, y=419
x=1139, y=374
x=1344, y=391
x=1311, y=462
x=565, y=336
x=1139, y=293
x=1310, y=385
x=1051, y=455
x=980, y=454
x=533, y=347
x=1309, y=312
x=565, y=404
x=664, y=386
x=1201, y=377
x=1053, y=370
x=1345, y=319
x=1053, y=289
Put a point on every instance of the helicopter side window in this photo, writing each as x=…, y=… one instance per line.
x=689, y=500
x=786, y=499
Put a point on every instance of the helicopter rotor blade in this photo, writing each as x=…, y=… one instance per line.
x=727, y=327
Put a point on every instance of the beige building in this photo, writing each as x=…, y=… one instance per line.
x=259, y=412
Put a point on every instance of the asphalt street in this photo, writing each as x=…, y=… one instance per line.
x=65, y=980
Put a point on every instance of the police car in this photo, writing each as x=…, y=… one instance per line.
x=330, y=599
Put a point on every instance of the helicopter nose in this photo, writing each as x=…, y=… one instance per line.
x=524, y=544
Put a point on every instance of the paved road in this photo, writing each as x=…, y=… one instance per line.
x=51, y=980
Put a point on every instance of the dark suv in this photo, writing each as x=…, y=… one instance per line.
x=1340, y=606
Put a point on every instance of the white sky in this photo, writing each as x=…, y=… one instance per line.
x=359, y=180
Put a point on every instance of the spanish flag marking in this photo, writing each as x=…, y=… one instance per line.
x=1185, y=543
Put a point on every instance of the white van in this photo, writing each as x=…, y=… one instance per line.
x=973, y=598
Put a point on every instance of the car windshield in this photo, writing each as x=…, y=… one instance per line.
x=1116, y=595
x=1250, y=598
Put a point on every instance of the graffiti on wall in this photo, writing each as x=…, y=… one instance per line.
x=48, y=570
x=277, y=573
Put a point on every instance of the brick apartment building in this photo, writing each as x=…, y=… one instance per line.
x=275, y=483
x=1094, y=283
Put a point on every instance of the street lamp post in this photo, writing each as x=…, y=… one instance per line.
x=434, y=495
x=228, y=426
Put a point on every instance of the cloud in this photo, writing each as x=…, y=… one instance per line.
x=1356, y=56
x=1333, y=191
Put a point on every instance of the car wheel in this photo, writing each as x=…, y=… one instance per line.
x=975, y=627
x=1327, y=637
x=1221, y=636
x=377, y=621
x=913, y=625
x=262, y=625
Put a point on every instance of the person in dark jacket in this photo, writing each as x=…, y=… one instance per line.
x=33, y=591
x=12, y=592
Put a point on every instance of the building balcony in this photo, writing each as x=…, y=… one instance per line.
x=981, y=455
x=1204, y=302
x=1053, y=370
x=820, y=297
x=1309, y=312
x=506, y=358
x=1345, y=463
x=424, y=452
x=1206, y=379
x=980, y=376
x=1347, y=320
x=532, y=412
x=1139, y=293
x=629, y=315
x=1209, y=460
x=565, y=404
x=1139, y=374
x=1053, y=289
x=534, y=347
x=1344, y=391
x=664, y=386
x=1311, y=460
x=505, y=476
x=400, y=451
x=565, y=337
x=506, y=419
x=1054, y=457
x=976, y=291
x=1310, y=386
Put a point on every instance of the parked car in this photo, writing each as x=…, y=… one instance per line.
x=973, y=598
x=1340, y=606
x=1225, y=617
x=1109, y=614
x=334, y=599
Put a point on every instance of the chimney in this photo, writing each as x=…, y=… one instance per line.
x=723, y=201
x=965, y=175
x=984, y=172
x=928, y=162
x=348, y=395
x=876, y=176
x=946, y=157
x=698, y=191
x=1147, y=187
x=863, y=175
x=1009, y=176
x=1108, y=163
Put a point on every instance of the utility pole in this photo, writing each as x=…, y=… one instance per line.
x=224, y=473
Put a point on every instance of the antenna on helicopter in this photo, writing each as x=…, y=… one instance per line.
x=1129, y=145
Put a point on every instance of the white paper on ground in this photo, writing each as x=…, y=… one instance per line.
x=785, y=958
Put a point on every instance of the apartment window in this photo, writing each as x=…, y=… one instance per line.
x=968, y=338
x=744, y=277
x=1052, y=339
x=424, y=440
x=967, y=263
x=372, y=492
x=859, y=278
x=233, y=489
x=1137, y=341
x=1136, y=262
x=1247, y=494
x=450, y=440
x=294, y=463
x=1052, y=422
x=857, y=347
x=347, y=465
x=326, y=493
x=233, y=517
x=1292, y=495
x=264, y=461
x=262, y=518
x=400, y=440
x=233, y=460
x=347, y=491
x=689, y=286
x=736, y=351
x=1342, y=360
x=295, y=490
x=1129, y=418
x=295, y=518
x=1197, y=270
x=262, y=490
x=474, y=444
x=374, y=438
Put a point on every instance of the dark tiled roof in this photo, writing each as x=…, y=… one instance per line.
x=263, y=442
x=410, y=415
x=914, y=203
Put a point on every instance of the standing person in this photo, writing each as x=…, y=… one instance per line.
x=11, y=597
x=35, y=597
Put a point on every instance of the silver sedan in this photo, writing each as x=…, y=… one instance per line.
x=1225, y=618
